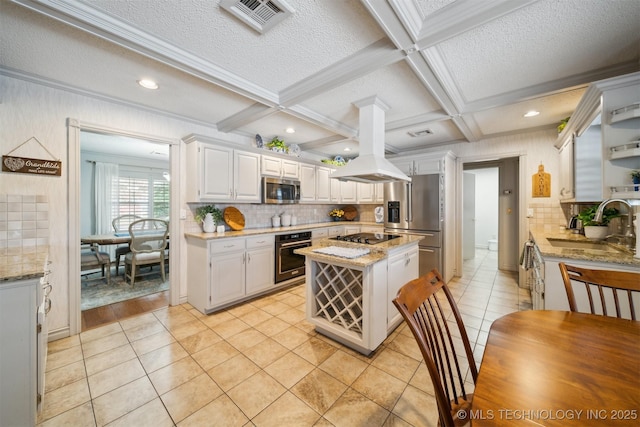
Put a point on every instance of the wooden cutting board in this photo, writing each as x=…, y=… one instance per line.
x=350, y=212
x=234, y=218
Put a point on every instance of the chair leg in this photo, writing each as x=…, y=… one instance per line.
x=133, y=274
x=162, y=270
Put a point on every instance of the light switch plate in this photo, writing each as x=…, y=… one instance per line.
x=529, y=212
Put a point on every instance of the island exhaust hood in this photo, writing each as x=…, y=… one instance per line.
x=370, y=166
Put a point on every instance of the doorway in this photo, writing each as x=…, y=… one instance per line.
x=490, y=210
x=122, y=179
x=76, y=132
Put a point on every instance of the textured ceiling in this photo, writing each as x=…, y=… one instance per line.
x=464, y=69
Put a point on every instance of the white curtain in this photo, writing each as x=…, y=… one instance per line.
x=106, y=196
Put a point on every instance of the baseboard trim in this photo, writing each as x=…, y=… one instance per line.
x=58, y=334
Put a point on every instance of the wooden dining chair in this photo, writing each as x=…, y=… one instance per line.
x=148, y=246
x=121, y=224
x=93, y=259
x=426, y=304
x=600, y=291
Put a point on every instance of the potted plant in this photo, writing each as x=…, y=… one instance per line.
x=597, y=230
x=336, y=214
x=209, y=216
x=278, y=145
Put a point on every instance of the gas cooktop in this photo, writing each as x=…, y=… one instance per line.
x=366, y=238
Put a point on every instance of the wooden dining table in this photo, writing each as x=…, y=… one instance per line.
x=556, y=368
x=107, y=238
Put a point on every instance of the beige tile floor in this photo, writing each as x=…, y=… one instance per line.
x=256, y=364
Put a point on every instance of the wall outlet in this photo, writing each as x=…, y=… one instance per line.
x=529, y=212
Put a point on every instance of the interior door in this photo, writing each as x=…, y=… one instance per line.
x=469, y=216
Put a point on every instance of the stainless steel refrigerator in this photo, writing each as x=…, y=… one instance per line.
x=418, y=208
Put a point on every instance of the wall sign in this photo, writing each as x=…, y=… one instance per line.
x=541, y=183
x=29, y=165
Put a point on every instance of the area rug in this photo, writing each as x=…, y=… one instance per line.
x=96, y=293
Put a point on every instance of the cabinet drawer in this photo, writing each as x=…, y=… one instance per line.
x=227, y=245
x=317, y=234
x=267, y=241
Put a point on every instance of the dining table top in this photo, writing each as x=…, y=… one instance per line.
x=557, y=368
x=107, y=238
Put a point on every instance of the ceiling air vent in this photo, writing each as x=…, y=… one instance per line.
x=260, y=15
x=424, y=132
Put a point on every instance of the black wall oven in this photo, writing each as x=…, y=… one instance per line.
x=289, y=264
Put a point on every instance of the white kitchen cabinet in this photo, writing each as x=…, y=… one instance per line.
x=335, y=190
x=315, y=185
x=218, y=173
x=370, y=193
x=224, y=271
x=278, y=167
x=421, y=165
x=336, y=230
x=260, y=263
x=348, y=192
x=365, y=192
x=566, y=170
x=372, y=228
x=323, y=184
x=555, y=295
x=18, y=352
x=227, y=277
x=351, y=229
x=402, y=267
x=319, y=233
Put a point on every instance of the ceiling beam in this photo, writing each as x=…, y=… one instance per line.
x=250, y=114
x=375, y=56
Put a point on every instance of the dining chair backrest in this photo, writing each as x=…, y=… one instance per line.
x=148, y=235
x=430, y=312
x=602, y=291
x=122, y=222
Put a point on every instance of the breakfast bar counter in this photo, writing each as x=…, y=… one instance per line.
x=349, y=295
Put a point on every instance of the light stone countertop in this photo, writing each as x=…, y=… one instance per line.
x=378, y=251
x=615, y=254
x=276, y=230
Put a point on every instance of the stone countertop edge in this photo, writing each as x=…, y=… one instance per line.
x=276, y=230
x=541, y=234
x=378, y=251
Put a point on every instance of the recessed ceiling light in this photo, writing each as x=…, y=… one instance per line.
x=532, y=113
x=148, y=84
x=290, y=130
x=347, y=149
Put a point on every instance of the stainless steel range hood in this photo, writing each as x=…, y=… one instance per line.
x=370, y=166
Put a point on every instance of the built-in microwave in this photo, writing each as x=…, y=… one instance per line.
x=280, y=191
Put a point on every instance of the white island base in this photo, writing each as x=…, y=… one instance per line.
x=351, y=303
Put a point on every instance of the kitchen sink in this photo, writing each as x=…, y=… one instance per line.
x=578, y=244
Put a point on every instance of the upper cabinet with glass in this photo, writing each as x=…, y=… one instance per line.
x=605, y=130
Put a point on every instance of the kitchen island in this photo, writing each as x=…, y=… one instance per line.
x=350, y=299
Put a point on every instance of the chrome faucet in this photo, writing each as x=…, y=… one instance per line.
x=630, y=235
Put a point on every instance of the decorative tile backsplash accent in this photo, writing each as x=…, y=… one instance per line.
x=259, y=215
x=24, y=234
x=547, y=215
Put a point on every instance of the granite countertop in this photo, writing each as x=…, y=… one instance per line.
x=603, y=252
x=276, y=230
x=378, y=251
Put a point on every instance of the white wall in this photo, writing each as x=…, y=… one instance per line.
x=486, y=205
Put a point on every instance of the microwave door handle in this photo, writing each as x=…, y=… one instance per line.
x=409, y=188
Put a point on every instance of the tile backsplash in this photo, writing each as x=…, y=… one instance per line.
x=547, y=215
x=259, y=215
x=24, y=234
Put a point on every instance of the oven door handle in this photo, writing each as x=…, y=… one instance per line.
x=300, y=242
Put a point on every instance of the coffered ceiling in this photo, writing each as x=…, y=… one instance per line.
x=465, y=70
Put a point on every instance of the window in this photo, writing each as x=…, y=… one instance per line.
x=145, y=194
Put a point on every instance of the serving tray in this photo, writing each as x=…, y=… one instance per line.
x=234, y=218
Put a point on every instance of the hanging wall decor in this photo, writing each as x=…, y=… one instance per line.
x=541, y=183
x=28, y=165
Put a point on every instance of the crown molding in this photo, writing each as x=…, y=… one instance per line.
x=86, y=18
